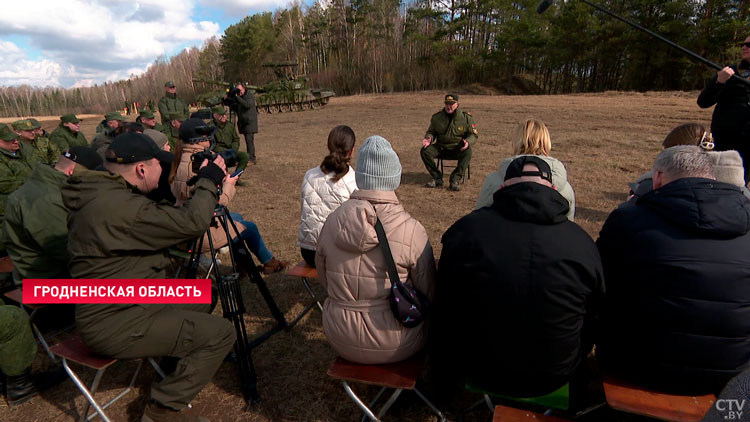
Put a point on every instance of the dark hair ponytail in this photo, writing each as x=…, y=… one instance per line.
x=340, y=144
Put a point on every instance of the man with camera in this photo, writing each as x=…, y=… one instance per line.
x=247, y=121
x=226, y=138
x=115, y=231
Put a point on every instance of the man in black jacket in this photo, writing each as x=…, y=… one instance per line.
x=247, y=122
x=677, y=315
x=518, y=285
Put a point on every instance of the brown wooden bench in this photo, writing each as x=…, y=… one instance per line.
x=511, y=414
x=627, y=397
x=306, y=273
x=398, y=376
x=6, y=265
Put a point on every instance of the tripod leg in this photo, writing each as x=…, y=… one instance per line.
x=245, y=260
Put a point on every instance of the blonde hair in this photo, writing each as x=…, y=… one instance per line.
x=689, y=134
x=531, y=137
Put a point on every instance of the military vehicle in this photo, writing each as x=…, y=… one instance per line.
x=289, y=92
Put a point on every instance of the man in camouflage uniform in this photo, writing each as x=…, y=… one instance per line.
x=147, y=118
x=68, y=134
x=43, y=148
x=451, y=135
x=14, y=167
x=117, y=232
x=172, y=128
x=35, y=228
x=169, y=103
x=226, y=137
x=112, y=121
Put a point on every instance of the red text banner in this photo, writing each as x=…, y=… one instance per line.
x=141, y=291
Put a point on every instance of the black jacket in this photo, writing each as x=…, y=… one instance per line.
x=730, y=125
x=677, y=263
x=247, y=113
x=516, y=281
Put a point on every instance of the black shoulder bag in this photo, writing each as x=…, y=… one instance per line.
x=409, y=306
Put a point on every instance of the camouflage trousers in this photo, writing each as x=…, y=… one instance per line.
x=17, y=343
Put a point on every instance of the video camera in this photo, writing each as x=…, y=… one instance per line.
x=231, y=98
x=230, y=158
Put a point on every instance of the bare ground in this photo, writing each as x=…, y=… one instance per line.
x=605, y=140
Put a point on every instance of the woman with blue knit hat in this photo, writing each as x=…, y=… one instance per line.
x=357, y=318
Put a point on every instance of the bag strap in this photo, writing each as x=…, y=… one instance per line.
x=390, y=265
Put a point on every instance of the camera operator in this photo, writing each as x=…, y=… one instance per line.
x=247, y=121
x=115, y=231
x=187, y=150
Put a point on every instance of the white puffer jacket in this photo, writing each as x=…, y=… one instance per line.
x=320, y=196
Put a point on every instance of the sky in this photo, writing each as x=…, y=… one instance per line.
x=71, y=43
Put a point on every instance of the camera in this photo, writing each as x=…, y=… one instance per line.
x=231, y=99
x=230, y=158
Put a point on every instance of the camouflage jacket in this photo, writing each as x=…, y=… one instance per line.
x=14, y=169
x=172, y=104
x=47, y=151
x=173, y=135
x=447, y=131
x=64, y=138
x=226, y=137
x=35, y=230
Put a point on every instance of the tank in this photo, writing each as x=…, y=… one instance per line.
x=289, y=92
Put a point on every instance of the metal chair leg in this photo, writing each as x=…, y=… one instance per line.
x=82, y=387
x=389, y=402
x=312, y=293
x=359, y=402
x=432, y=406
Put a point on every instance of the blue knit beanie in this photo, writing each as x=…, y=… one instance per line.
x=378, y=167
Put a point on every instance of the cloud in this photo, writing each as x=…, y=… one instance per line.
x=242, y=8
x=99, y=40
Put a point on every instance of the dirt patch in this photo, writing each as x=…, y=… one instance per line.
x=605, y=140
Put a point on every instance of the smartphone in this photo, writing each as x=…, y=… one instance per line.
x=237, y=173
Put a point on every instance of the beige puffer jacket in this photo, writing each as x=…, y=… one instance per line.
x=181, y=191
x=357, y=318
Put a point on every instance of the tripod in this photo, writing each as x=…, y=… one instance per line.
x=230, y=295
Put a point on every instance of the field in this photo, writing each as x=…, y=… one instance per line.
x=605, y=140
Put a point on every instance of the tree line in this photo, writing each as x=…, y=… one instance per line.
x=374, y=46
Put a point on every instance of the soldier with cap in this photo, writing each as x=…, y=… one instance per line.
x=112, y=120
x=226, y=136
x=68, y=133
x=43, y=146
x=451, y=135
x=107, y=130
x=172, y=128
x=147, y=118
x=35, y=228
x=115, y=231
x=169, y=103
x=42, y=150
x=14, y=167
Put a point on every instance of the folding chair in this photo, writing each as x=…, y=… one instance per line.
x=398, y=376
x=17, y=296
x=627, y=397
x=306, y=272
x=74, y=350
x=439, y=163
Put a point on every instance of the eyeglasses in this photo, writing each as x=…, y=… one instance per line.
x=745, y=44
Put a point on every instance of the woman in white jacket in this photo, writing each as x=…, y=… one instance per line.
x=324, y=188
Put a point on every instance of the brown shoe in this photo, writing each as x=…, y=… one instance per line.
x=273, y=266
x=157, y=413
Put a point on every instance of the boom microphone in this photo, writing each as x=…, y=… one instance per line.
x=543, y=6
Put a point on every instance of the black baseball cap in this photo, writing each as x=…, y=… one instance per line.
x=195, y=130
x=133, y=147
x=84, y=156
x=515, y=168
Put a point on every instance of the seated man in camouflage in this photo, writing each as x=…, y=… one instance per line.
x=451, y=135
x=68, y=133
x=44, y=150
x=148, y=120
x=226, y=136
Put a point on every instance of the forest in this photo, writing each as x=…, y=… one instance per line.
x=376, y=46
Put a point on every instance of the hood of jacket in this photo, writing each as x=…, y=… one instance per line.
x=85, y=186
x=701, y=206
x=532, y=203
x=357, y=232
x=47, y=175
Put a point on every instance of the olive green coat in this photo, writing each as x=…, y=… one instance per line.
x=102, y=141
x=225, y=137
x=447, y=132
x=173, y=135
x=64, y=138
x=47, y=151
x=14, y=170
x=169, y=103
x=35, y=230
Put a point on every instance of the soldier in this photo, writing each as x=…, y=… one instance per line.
x=35, y=229
x=68, y=134
x=172, y=128
x=43, y=149
x=147, y=118
x=451, y=135
x=247, y=119
x=38, y=129
x=169, y=103
x=108, y=126
x=14, y=167
x=115, y=231
x=226, y=137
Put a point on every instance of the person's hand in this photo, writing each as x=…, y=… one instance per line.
x=465, y=145
x=229, y=180
x=724, y=74
x=426, y=142
x=219, y=161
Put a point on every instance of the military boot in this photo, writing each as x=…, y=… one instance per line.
x=435, y=183
x=19, y=388
x=157, y=413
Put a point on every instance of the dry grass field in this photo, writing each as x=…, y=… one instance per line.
x=605, y=141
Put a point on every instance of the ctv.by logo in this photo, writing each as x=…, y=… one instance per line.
x=732, y=408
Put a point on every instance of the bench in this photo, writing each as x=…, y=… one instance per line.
x=511, y=414
x=6, y=265
x=306, y=273
x=398, y=376
x=626, y=397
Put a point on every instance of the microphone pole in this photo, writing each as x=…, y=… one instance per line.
x=547, y=3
